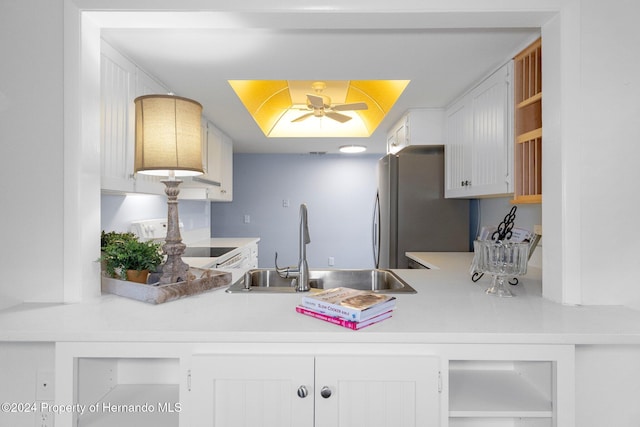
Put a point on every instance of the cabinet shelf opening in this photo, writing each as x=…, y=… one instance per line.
x=492, y=389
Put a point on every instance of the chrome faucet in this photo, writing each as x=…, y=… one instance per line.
x=301, y=272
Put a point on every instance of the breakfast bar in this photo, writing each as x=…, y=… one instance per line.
x=449, y=340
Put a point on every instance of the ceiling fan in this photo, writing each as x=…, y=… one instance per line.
x=321, y=106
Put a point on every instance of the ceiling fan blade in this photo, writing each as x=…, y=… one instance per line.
x=315, y=101
x=351, y=107
x=337, y=116
x=302, y=117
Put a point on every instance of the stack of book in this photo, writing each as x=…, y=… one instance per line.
x=346, y=307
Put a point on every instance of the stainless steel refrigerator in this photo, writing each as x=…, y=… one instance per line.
x=411, y=213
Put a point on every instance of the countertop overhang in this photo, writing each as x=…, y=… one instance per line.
x=448, y=308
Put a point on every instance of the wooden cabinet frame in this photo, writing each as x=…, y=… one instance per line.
x=528, y=124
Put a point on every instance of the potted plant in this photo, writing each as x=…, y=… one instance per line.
x=107, y=238
x=124, y=256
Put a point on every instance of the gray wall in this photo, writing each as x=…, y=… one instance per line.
x=339, y=191
x=490, y=212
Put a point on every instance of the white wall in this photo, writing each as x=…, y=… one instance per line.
x=20, y=364
x=339, y=191
x=610, y=141
x=31, y=150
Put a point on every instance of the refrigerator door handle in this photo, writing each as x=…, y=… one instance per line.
x=375, y=232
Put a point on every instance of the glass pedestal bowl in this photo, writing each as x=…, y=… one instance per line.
x=500, y=259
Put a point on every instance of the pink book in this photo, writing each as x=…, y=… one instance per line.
x=343, y=322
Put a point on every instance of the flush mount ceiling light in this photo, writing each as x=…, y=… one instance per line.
x=351, y=149
x=308, y=108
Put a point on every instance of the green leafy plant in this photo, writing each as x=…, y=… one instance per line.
x=107, y=238
x=123, y=251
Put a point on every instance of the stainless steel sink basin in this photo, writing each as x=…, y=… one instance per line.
x=268, y=280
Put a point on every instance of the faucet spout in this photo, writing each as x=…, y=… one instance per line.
x=301, y=272
x=303, y=267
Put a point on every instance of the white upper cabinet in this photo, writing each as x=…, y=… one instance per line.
x=120, y=83
x=117, y=91
x=216, y=184
x=479, y=135
x=423, y=126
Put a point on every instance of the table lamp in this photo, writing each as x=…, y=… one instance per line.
x=169, y=143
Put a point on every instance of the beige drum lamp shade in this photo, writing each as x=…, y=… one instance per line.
x=168, y=136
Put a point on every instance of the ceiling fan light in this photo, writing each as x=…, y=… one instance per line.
x=351, y=149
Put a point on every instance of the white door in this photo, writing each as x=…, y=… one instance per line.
x=256, y=391
x=377, y=391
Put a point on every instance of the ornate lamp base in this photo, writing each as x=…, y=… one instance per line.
x=174, y=270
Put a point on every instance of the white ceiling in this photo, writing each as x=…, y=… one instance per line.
x=195, y=60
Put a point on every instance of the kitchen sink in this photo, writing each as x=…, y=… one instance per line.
x=268, y=280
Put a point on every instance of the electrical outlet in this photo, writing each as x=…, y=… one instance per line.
x=247, y=219
x=44, y=385
x=331, y=261
x=44, y=419
x=285, y=203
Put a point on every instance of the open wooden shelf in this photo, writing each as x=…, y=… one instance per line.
x=531, y=100
x=529, y=136
x=528, y=124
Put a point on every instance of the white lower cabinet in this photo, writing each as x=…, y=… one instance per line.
x=322, y=391
x=120, y=384
x=511, y=385
x=305, y=385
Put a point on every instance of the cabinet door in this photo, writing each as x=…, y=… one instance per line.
x=478, y=151
x=240, y=391
x=377, y=391
x=492, y=135
x=117, y=91
x=459, y=137
x=212, y=159
x=216, y=184
x=226, y=169
x=397, y=138
x=120, y=83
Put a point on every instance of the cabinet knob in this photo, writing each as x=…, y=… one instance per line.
x=325, y=392
x=302, y=392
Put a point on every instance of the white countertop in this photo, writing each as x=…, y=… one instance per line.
x=448, y=308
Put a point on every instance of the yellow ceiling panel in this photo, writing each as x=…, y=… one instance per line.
x=385, y=93
x=270, y=104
